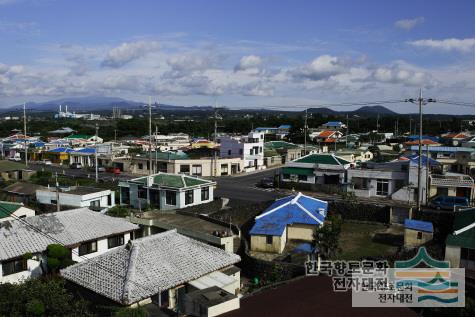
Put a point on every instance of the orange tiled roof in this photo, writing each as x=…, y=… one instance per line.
x=326, y=134
x=424, y=142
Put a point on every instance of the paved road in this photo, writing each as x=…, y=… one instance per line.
x=244, y=187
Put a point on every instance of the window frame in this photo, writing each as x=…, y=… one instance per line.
x=173, y=197
x=120, y=241
x=14, y=266
x=205, y=192
x=188, y=195
x=88, y=250
x=269, y=239
x=381, y=191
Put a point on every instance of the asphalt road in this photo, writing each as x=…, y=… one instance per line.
x=244, y=187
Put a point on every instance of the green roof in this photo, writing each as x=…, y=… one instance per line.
x=297, y=171
x=6, y=166
x=280, y=145
x=7, y=208
x=78, y=136
x=322, y=159
x=173, y=180
x=270, y=153
x=464, y=239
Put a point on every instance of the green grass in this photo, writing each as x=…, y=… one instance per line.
x=355, y=242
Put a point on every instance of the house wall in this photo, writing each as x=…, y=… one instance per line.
x=300, y=232
x=452, y=254
x=34, y=270
x=295, y=179
x=222, y=308
x=410, y=238
x=258, y=243
x=101, y=248
x=372, y=177
x=46, y=196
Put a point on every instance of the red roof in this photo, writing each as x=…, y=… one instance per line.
x=326, y=134
x=329, y=140
x=424, y=142
x=455, y=136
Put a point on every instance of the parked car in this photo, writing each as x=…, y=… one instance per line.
x=266, y=182
x=101, y=169
x=15, y=158
x=47, y=162
x=448, y=202
x=114, y=170
x=75, y=166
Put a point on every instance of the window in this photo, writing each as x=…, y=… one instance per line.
x=251, y=151
x=241, y=151
x=382, y=187
x=467, y=254
x=88, y=247
x=229, y=152
x=285, y=176
x=54, y=201
x=188, y=197
x=142, y=192
x=419, y=235
x=14, y=266
x=224, y=169
x=196, y=170
x=204, y=193
x=269, y=239
x=360, y=183
x=95, y=203
x=115, y=241
x=170, y=197
x=302, y=177
x=140, y=165
x=185, y=169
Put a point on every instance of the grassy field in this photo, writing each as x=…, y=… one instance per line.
x=355, y=242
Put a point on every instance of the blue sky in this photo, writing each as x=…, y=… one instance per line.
x=244, y=53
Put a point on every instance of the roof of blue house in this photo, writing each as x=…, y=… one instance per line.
x=449, y=149
x=61, y=150
x=418, y=225
x=264, y=128
x=334, y=123
x=86, y=150
x=285, y=126
x=424, y=137
x=293, y=209
x=415, y=160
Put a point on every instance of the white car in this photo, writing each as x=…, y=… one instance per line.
x=47, y=162
x=16, y=159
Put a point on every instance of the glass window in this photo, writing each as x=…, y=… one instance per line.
x=88, y=247
x=302, y=177
x=419, y=235
x=204, y=193
x=14, y=266
x=269, y=239
x=142, y=192
x=170, y=197
x=188, y=197
x=115, y=241
x=185, y=169
x=229, y=152
x=224, y=169
x=382, y=187
x=140, y=165
x=241, y=151
x=196, y=170
x=360, y=183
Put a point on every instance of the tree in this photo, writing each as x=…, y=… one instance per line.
x=326, y=237
x=39, y=297
x=118, y=211
x=59, y=257
x=132, y=312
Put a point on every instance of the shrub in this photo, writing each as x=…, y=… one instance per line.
x=118, y=211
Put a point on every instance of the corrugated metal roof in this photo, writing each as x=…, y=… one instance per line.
x=451, y=149
x=290, y=210
x=466, y=234
x=418, y=225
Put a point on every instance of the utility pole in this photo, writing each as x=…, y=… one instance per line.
x=58, y=207
x=347, y=131
x=95, y=152
x=150, y=135
x=427, y=173
x=156, y=147
x=24, y=132
x=115, y=135
x=420, y=101
x=305, y=134
x=215, y=138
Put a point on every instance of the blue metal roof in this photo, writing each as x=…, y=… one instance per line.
x=264, y=128
x=450, y=149
x=418, y=225
x=334, y=123
x=424, y=137
x=86, y=151
x=285, y=126
x=290, y=210
x=61, y=150
x=415, y=160
x=39, y=144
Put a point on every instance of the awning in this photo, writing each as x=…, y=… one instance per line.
x=217, y=278
x=297, y=171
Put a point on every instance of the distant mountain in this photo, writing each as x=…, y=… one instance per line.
x=93, y=103
x=323, y=111
x=366, y=111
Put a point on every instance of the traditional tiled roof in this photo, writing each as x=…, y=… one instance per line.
x=69, y=227
x=147, y=266
x=293, y=209
x=7, y=208
x=22, y=188
x=328, y=159
x=173, y=180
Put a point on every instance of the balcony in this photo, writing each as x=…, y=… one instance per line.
x=452, y=180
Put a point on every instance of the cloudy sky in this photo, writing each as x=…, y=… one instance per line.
x=244, y=53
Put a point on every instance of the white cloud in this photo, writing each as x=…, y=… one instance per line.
x=128, y=52
x=408, y=24
x=453, y=44
x=249, y=63
x=321, y=68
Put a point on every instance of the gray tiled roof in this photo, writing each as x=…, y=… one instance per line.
x=69, y=227
x=146, y=266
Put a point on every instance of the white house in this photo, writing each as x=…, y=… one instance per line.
x=166, y=191
x=168, y=269
x=10, y=211
x=86, y=233
x=250, y=148
x=77, y=196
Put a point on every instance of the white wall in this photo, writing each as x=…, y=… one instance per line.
x=34, y=270
x=101, y=248
x=66, y=199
